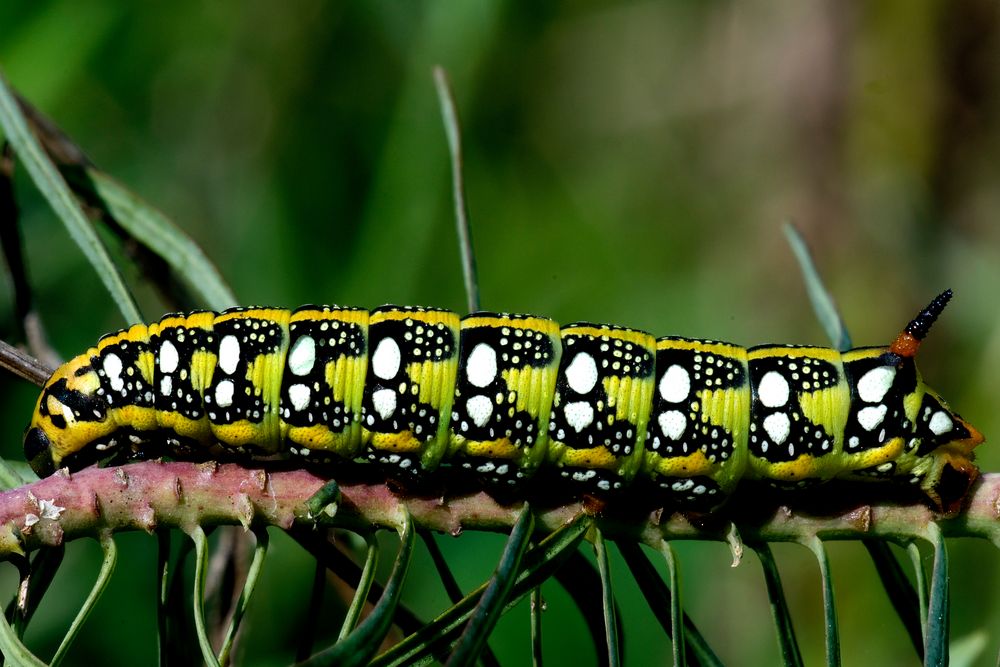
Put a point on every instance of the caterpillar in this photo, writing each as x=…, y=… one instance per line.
x=505, y=397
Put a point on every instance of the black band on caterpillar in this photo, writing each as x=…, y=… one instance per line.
x=505, y=397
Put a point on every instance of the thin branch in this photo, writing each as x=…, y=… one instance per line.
x=23, y=365
x=152, y=494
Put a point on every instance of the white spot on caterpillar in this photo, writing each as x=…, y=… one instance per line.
x=168, y=357
x=229, y=354
x=386, y=360
x=481, y=368
x=773, y=390
x=480, y=409
x=940, y=423
x=113, y=369
x=581, y=374
x=384, y=400
x=224, y=393
x=580, y=414
x=777, y=426
x=683, y=485
x=871, y=417
x=302, y=356
x=68, y=414
x=166, y=385
x=675, y=384
x=672, y=423
x=873, y=385
x=300, y=395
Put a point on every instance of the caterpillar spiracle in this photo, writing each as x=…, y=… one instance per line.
x=506, y=397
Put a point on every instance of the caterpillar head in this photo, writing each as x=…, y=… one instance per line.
x=941, y=441
x=71, y=413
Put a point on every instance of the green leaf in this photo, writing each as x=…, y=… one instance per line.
x=936, y=641
x=676, y=611
x=13, y=649
x=920, y=581
x=451, y=587
x=311, y=621
x=487, y=612
x=200, y=570
x=449, y=114
x=162, y=596
x=899, y=590
x=787, y=643
x=539, y=564
x=9, y=478
x=44, y=566
x=55, y=190
x=822, y=302
x=361, y=645
x=153, y=229
x=103, y=577
x=253, y=575
x=580, y=578
x=829, y=607
x=659, y=598
x=537, y=604
x=607, y=600
x=364, y=586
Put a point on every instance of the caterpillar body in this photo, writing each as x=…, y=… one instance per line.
x=505, y=396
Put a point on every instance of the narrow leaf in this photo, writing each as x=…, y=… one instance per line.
x=539, y=564
x=364, y=586
x=487, y=612
x=9, y=478
x=200, y=570
x=107, y=568
x=787, y=643
x=822, y=303
x=899, y=590
x=936, y=641
x=920, y=582
x=13, y=649
x=44, y=566
x=55, y=190
x=829, y=607
x=330, y=557
x=579, y=577
x=153, y=229
x=253, y=575
x=453, y=131
x=361, y=645
x=660, y=600
x=607, y=599
x=307, y=630
x=537, y=607
x=676, y=611
x=444, y=572
x=163, y=595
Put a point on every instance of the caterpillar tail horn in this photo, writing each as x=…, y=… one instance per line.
x=951, y=471
x=908, y=341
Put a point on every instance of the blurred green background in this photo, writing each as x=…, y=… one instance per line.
x=625, y=162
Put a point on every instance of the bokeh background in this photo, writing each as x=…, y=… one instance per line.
x=626, y=162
